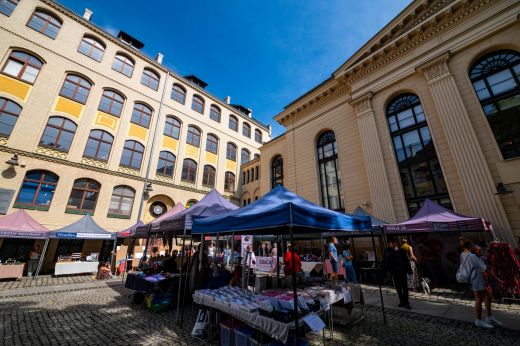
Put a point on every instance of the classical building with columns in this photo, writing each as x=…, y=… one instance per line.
x=428, y=108
x=88, y=123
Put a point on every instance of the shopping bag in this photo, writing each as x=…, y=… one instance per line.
x=200, y=324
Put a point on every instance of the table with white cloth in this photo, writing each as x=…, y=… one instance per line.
x=268, y=325
x=79, y=267
x=11, y=271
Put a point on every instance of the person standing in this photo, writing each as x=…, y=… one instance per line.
x=474, y=266
x=34, y=259
x=287, y=261
x=333, y=257
x=413, y=279
x=274, y=258
x=396, y=262
x=248, y=264
x=350, y=274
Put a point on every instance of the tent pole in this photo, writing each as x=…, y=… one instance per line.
x=279, y=248
x=378, y=276
x=232, y=259
x=295, y=294
x=130, y=246
x=180, y=278
x=42, y=257
x=188, y=265
x=145, y=250
x=113, y=256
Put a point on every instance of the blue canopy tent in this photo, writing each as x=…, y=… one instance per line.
x=374, y=220
x=281, y=211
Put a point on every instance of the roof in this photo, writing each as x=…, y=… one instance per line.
x=20, y=225
x=375, y=221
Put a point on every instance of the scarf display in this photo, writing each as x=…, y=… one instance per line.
x=503, y=268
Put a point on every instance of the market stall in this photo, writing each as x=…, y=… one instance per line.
x=19, y=225
x=281, y=212
x=84, y=228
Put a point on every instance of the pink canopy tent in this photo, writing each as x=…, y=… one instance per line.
x=130, y=231
x=434, y=218
x=20, y=225
x=143, y=231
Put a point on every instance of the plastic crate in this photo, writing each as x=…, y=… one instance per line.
x=227, y=335
x=242, y=335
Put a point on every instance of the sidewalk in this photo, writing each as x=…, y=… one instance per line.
x=46, y=281
x=450, y=309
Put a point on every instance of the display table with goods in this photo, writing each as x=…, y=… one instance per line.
x=75, y=267
x=157, y=291
x=270, y=312
x=11, y=270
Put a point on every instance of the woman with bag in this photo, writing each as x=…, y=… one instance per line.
x=472, y=271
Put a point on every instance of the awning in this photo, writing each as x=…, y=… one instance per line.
x=20, y=225
x=278, y=210
x=84, y=228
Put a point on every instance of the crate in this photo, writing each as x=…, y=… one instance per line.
x=242, y=335
x=227, y=335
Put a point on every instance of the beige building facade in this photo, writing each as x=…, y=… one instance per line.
x=93, y=122
x=428, y=108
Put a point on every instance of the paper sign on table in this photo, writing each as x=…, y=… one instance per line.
x=347, y=297
x=314, y=322
x=325, y=305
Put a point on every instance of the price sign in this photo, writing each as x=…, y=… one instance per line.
x=325, y=305
x=347, y=297
x=302, y=303
x=314, y=322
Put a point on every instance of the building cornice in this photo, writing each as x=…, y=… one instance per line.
x=57, y=160
x=437, y=16
x=65, y=11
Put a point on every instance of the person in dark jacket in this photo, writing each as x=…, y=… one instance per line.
x=398, y=265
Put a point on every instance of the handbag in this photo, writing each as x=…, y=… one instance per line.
x=463, y=275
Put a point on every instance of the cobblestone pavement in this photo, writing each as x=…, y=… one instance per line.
x=44, y=280
x=102, y=315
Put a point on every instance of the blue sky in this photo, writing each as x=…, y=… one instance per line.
x=262, y=53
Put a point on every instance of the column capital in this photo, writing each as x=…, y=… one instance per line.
x=436, y=69
x=362, y=104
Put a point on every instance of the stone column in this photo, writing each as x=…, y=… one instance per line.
x=476, y=179
x=377, y=178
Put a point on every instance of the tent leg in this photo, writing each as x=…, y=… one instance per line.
x=186, y=280
x=181, y=277
x=295, y=294
x=113, y=256
x=279, y=248
x=42, y=257
x=126, y=261
x=145, y=251
x=378, y=277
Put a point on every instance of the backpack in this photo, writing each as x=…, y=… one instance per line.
x=463, y=274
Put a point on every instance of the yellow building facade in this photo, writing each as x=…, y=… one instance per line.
x=427, y=108
x=93, y=122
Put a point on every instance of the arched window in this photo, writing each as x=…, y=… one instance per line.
x=172, y=127
x=229, y=182
x=9, y=113
x=248, y=175
x=277, y=171
x=330, y=176
x=44, y=22
x=76, y=88
x=191, y=203
x=189, y=171
x=92, y=48
x=231, y=152
x=111, y=103
x=208, y=176
x=257, y=173
x=244, y=156
x=150, y=79
x=166, y=163
x=58, y=134
x=37, y=189
x=258, y=136
x=22, y=66
x=193, y=137
x=84, y=195
x=98, y=145
x=178, y=94
x=214, y=113
x=419, y=167
x=243, y=178
x=132, y=155
x=121, y=202
x=197, y=104
x=123, y=64
x=496, y=79
x=233, y=123
x=246, y=130
x=7, y=6
x=212, y=144
x=141, y=115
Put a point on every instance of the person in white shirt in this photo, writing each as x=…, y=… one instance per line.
x=248, y=265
